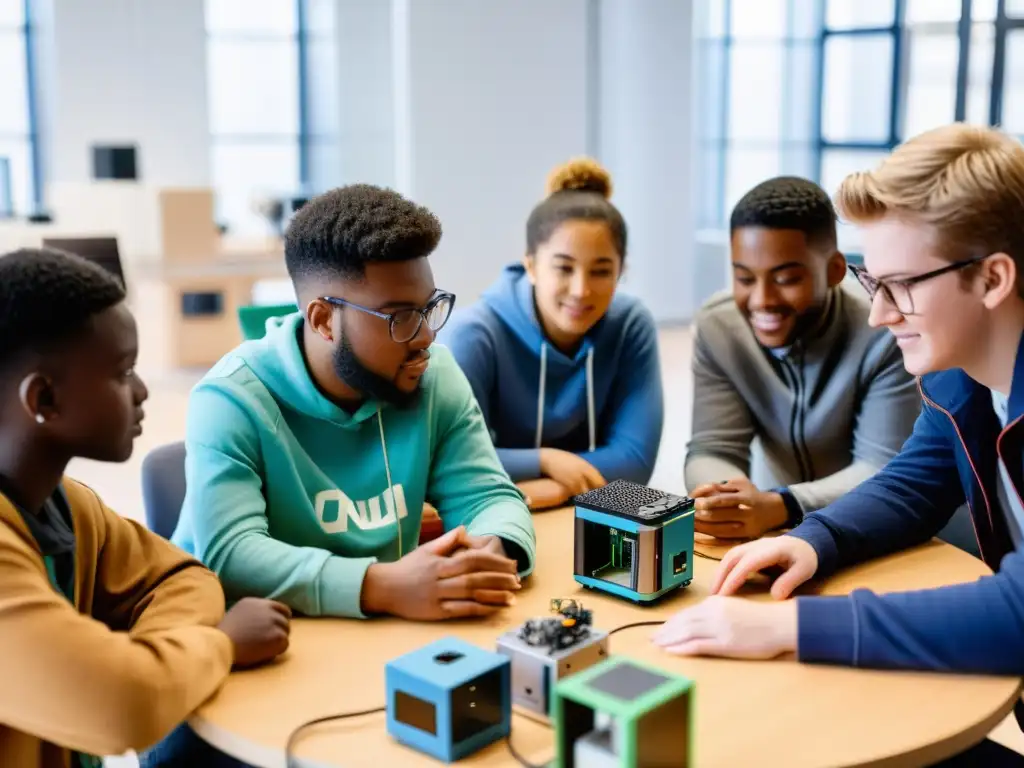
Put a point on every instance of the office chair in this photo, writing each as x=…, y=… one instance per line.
x=163, y=487
x=253, y=318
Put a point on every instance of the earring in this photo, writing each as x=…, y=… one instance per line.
x=40, y=419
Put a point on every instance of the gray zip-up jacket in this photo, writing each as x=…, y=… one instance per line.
x=816, y=420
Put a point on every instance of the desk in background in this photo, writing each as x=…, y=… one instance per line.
x=188, y=313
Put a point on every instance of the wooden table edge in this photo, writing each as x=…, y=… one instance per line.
x=955, y=744
x=263, y=756
x=270, y=757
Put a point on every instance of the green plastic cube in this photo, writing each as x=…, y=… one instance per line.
x=623, y=712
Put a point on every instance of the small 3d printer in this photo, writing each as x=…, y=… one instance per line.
x=633, y=541
x=546, y=650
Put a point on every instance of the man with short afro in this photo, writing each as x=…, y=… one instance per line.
x=313, y=451
x=796, y=398
x=338, y=234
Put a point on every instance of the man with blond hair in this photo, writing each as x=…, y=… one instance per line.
x=943, y=226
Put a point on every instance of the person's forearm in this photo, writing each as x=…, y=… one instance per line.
x=193, y=595
x=146, y=583
x=506, y=520
x=975, y=628
x=520, y=463
x=310, y=580
x=468, y=481
x=816, y=494
x=707, y=468
x=544, y=493
x=126, y=693
x=620, y=462
x=866, y=523
x=71, y=680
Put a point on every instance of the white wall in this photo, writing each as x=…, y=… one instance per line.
x=352, y=98
x=465, y=105
x=495, y=96
x=125, y=71
x=645, y=138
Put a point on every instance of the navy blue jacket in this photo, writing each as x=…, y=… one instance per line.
x=952, y=454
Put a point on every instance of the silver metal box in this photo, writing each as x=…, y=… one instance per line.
x=536, y=669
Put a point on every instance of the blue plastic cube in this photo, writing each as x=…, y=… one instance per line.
x=449, y=699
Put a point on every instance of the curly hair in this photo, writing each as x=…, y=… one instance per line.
x=789, y=202
x=577, y=190
x=48, y=297
x=336, y=234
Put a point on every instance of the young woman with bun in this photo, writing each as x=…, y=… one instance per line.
x=565, y=369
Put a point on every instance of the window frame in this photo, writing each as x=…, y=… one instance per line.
x=894, y=31
x=303, y=138
x=34, y=194
x=723, y=42
x=723, y=142
x=1003, y=26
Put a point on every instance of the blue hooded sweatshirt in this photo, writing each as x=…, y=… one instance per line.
x=291, y=497
x=604, y=403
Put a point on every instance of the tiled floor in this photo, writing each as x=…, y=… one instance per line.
x=119, y=485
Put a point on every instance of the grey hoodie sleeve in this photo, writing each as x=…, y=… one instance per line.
x=722, y=426
x=888, y=409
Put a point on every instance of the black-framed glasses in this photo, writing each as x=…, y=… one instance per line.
x=404, y=324
x=897, y=291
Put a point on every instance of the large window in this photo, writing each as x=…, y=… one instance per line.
x=756, y=97
x=859, y=51
x=267, y=135
x=252, y=60
x=18, y=162
x=823, y=88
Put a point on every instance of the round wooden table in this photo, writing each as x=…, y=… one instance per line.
x=777, y=713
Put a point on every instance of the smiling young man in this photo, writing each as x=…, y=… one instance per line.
x=944, y=266
x=312, y=451
x=796, y=399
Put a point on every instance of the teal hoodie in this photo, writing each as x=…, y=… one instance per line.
x=291, y=497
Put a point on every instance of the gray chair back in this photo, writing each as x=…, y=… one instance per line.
x=163, y=487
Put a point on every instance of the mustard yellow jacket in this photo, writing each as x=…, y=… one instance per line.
x=135, y=655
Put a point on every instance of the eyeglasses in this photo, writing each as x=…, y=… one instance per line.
x=897, y=291
x=404, y=324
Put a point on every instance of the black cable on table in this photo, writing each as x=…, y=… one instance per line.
x=293, y=737
x=519, y=758
x=636, y=624
x=706, y=556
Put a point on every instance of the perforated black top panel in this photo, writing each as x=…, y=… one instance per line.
x=633, y=501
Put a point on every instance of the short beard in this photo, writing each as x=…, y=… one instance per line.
x=813, y=320
x=356, y=375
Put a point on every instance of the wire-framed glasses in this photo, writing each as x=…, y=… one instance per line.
x=897, y=291
x=405, y=323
